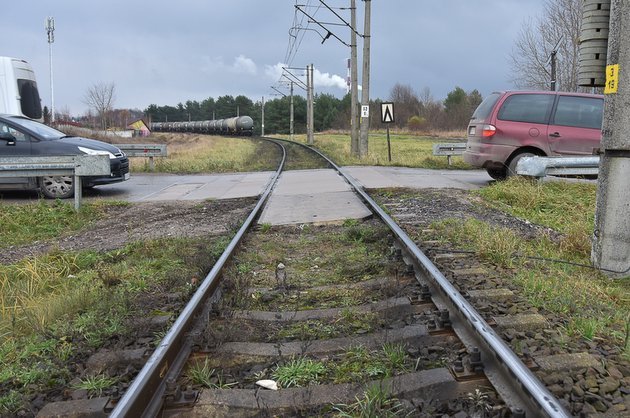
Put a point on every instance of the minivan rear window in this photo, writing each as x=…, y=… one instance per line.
x=580, y=112
x=532, y=108
x=485, y=107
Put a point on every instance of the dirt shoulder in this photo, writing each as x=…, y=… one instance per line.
x=143, y=221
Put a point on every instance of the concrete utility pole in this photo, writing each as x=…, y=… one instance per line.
x=365, y=83
x=354, y=90
x=611, y=238
x=291, y=113
x=50, y=30
x=262, y=116
x=310, y=90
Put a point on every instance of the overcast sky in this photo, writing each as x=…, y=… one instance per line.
x=168, y=52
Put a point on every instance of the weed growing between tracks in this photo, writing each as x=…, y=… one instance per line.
x=313, y=256
x=594, y=306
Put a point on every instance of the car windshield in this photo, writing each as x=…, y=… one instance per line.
x=39, y=128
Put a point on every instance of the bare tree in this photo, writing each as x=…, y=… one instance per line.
x=100, y=97
x=530, y=59
x=407, y=103
x=432, y=109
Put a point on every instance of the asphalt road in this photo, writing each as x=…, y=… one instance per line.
x=156, y=187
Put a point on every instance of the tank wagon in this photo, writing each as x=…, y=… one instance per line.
x=239, y=125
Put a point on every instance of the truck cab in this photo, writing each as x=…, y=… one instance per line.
x=18, y=89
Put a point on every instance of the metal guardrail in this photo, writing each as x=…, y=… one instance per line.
x=144, y=150
x=64, y=165
x=558, y=166
x=449, y=149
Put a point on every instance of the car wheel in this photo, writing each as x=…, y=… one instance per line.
x=511, y=171
x=497, y=173
x=56, y=187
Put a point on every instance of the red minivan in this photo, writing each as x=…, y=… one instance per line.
x=510, y=125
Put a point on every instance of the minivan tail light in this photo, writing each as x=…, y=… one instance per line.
x=488, y=131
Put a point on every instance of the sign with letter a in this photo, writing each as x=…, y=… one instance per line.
x=387, y=112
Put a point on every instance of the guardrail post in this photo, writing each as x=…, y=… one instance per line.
x=78, y=192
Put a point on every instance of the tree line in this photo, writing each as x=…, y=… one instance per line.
x=413, y=111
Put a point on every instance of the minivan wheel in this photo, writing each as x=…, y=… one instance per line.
x=497, y=173
x=56, y=187
x=511, y=171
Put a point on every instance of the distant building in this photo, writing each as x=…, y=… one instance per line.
x=139, y=128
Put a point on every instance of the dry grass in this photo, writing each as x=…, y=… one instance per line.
x=192, y=153
x=406, y=150
x=594, y=306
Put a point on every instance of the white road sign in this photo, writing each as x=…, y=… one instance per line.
x=365, y=111
x=387, y=112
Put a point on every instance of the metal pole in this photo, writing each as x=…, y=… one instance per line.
x=365, y=83
x=50, y=30
x=389, y=146
x=291, y=113
x=611, y=237
x=262, y=124
x=553, y=70
x=354, y=91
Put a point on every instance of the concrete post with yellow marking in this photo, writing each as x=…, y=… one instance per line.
x=611, y=237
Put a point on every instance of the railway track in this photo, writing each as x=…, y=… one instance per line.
x=396, y=332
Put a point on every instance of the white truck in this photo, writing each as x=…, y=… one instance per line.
x=18, y=89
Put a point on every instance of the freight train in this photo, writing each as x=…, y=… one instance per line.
x=239, y=125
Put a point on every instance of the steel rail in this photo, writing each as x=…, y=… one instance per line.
x=544, y=401
x=145, y=395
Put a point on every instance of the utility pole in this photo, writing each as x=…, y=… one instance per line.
x=309, y=104
x=50, y=30
x=365, y=83
x=291, y=113
x=553, y=70
x=262, y=111
x=354, y=90
x=611, y=237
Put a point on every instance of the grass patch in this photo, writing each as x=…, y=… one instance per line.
x=375, y=402
x=44, y=219
x=201, y=373
x=406, y=151
x=61, y=306
x=350, y=322
x=312, y=256
x=594, y=306
x=211, y=154
x=356, y=364
x=96, y=385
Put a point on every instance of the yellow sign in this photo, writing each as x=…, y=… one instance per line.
x=612, y=79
